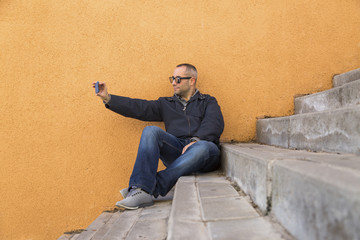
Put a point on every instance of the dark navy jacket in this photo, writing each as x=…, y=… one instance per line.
x=201, y=117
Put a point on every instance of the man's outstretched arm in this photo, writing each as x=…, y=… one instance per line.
x=134, y=108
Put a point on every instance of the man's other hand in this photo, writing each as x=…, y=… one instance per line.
x=103, y=93
x=186, y=147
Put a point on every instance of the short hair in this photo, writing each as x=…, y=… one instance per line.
x=190, y=69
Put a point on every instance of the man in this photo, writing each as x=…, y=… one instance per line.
x=193, y=123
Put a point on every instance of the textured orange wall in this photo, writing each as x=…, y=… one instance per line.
x=64, y=156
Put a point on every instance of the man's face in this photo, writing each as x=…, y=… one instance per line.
x=182, y=88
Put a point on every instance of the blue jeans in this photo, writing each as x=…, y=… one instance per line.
x=155, y=143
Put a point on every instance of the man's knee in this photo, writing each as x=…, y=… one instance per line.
x=151, y=131
x=205, y=148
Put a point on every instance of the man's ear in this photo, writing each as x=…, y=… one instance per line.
x=193, y=81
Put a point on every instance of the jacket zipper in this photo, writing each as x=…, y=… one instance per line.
x=184, y=109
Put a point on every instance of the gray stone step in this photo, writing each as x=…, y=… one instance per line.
x=330, y=131
x=122, y=225
x=346, y=95
x=67, y=236
x=341, y=79
x=207, y=207
x=95, y=226
x=144, y=223
x=313, y=195
x=148, y=223
x=315, y=201
x=105, y=228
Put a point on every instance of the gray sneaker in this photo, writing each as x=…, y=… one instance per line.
x=124, y=192
x=135, y=199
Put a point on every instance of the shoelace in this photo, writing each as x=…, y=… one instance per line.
x=135, y=192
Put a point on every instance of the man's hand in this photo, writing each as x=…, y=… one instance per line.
x=186, y=147
x=103, y=93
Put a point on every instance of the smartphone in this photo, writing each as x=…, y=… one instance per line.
x=97, y=87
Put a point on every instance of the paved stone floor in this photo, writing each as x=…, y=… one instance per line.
x=144, y=223
x=204, y=206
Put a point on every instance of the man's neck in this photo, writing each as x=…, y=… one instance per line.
x=189, y=95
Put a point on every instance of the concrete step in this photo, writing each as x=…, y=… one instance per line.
x=208, y=207
x=106, y=227
x=330, y=131
x=341, y=79
x=96, y=229
x=95, y=226
x=346, y=95
x=313, y=195
x=144, y=223
x=66, y=236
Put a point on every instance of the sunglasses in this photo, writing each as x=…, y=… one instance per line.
x=177, y=79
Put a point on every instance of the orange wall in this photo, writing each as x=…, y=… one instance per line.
x=64, y=156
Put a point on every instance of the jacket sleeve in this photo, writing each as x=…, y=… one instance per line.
x=212, y=124
x=135, y=108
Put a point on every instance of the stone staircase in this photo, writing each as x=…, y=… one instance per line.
x=305, y=186
x=314, y=192
x=327, y=121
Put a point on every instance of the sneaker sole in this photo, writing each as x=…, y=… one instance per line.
x=133, y=208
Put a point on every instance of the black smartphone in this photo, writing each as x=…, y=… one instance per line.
x=97, y=87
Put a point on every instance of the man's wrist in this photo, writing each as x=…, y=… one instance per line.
x=107, y=99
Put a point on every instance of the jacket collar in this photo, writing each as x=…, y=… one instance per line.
x=196, y=95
